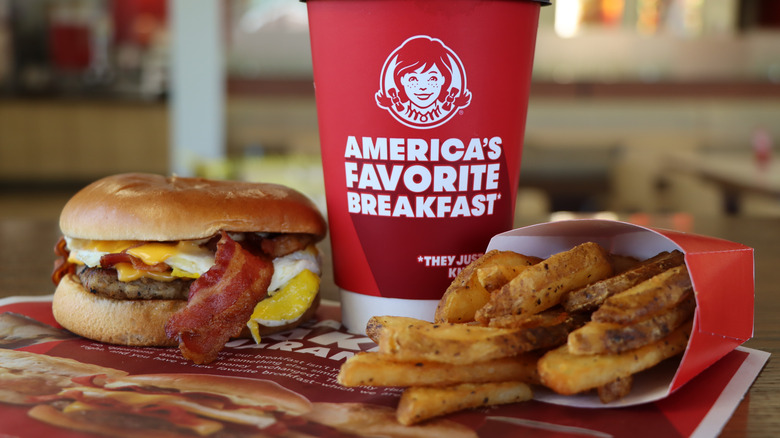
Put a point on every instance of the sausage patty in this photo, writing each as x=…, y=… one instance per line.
x=104, y=282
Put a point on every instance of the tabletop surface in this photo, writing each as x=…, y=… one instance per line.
x=734, y=171
x=26, y=258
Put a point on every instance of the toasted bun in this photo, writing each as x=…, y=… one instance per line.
x=129, y=322
x=239, y=390
x=137, y=206
x=124, y=322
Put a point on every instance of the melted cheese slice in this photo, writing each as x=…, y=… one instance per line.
x=186, y=258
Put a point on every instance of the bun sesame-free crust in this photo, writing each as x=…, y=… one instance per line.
x=139, y=323
x=138, y=206
x=147, y=207
x=124, y=322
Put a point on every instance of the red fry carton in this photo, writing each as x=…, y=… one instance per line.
x=722, y=273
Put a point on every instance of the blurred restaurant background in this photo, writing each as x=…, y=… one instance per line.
x=637, y=106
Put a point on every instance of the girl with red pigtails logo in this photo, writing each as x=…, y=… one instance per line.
x=423, y=83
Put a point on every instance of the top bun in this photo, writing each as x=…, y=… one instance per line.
x=136, y=206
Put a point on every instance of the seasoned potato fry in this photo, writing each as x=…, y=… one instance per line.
x=494, y=277
x=606, y=337
x=542, y=285
x=652, y=296
x=616, y=389
x=580, y=320
x=421, y=403
x=545, y=330
x=378, y=326
x=377, y=369
x=471, y=288
x=548, y=318
x=567, y=373
x=593, y=295
x=622, y=263
x=452, y=343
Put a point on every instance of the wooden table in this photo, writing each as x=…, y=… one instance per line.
x=26, y=258
x=735, y=173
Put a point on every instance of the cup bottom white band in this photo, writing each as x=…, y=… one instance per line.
x=357, y=309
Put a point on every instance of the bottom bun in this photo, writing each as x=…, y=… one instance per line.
x=139, y=323
x=124, y=322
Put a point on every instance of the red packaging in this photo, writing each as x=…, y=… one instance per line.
x=722, y=273
x=422, y=108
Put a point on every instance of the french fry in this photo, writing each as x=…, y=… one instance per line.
x=377, y=369
x=546, y=319
x=660, y=292
x=379, y=326
x=421, y=403
x=580, y=320
x=593, y=295
x=606, y=337
x=542, y=285
x=616, y=389
x=622, y=263
x=455, y=343
x=544, y=330
x=568, y=374
x=471, y=288
x=494, y=277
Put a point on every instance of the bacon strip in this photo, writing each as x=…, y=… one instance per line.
x=62, y=266
x=110, y=260
x=220, y=303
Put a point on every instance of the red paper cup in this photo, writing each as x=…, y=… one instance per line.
x=421, y=108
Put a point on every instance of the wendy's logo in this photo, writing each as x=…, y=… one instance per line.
x=423, y=83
